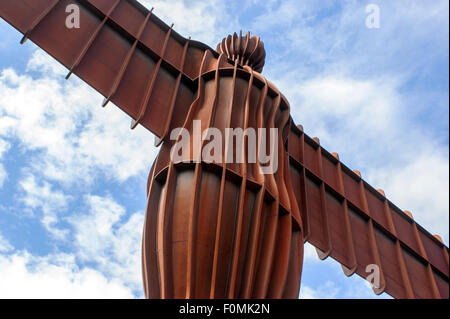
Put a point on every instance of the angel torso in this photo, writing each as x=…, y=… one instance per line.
x=229, y=226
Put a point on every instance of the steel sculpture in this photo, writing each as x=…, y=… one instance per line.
x=224, y=230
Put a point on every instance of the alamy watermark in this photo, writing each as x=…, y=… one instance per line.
x=210, y=146
x=373, y=17
x=373, y=279
x=73, y=19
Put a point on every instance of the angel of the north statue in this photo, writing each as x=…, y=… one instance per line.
x=220, y=228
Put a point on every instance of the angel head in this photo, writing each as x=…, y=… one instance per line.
x=246, y=50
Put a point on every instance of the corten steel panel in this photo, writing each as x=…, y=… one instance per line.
x=226, y=230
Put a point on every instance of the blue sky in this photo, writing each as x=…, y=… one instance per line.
x=73, y=176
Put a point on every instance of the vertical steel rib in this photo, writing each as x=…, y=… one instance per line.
x=304, y=193
x=401, y=261
x=91, y=40
x=445, y=252
x=217, y=238
x=280, y=268
x=151, y=83
x=173, y=99
x=165, y=278
x=265, y=265
x=223, y=175
x=237, y=237
x=236, y=250
x=200, y=92
x=247, y=39
x=144, y=241
x=324, y=212
x=422, y=250
x=404, y=271
x=126, y=61
x=250, y=271
x=238, y=45
x=38, y=20
x=190, y=266
x=190, y=274
x=350, y=245
x=372, y=240
x=219, y=61
x=434, y=288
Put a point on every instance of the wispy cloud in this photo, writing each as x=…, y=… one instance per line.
x=107, y=237
x=5, y=246
x=69, y=127
x=206, y=21
x=4, y=146
x=326, y=291
x=57, y=276
x=45, y=198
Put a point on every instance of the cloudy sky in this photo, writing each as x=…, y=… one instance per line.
x=73, y=176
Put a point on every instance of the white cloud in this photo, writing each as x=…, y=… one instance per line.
x=104, y=262
x=309, y=253
x=283, y=14
x=47, y=115
x=205, y=21
x=105, y=237
x=50, y=201
x=326, y=291
x=4, y=146
x=421, y=186
x=44, y=64
x=325, y=279
x=24, y=275
x=324, y=36
x=364, y=104
x=3, y=175
x=5, y=246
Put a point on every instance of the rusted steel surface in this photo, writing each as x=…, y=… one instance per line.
x=226, y=230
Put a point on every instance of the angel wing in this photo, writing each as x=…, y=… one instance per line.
x=347, y=219
x=121, y=49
